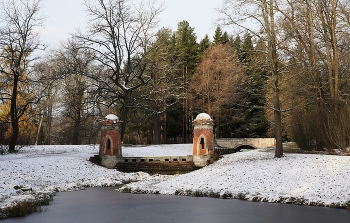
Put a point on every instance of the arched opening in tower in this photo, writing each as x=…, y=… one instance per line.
x=202, y=143
x=108, y=144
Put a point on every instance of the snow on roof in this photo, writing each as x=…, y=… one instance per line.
x=112, y=117
x=202, y=116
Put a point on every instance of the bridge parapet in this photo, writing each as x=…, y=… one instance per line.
x=234, y=143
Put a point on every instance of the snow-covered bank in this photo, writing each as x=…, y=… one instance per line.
x=47, y=169
x=256, y=175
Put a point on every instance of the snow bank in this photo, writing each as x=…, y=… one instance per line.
x=257, y=175
x=45, y=169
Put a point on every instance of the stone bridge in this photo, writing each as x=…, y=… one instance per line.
x=231, y=145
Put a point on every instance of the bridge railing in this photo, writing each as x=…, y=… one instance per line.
x=234, y=143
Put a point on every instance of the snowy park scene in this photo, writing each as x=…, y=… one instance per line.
x=230, y=101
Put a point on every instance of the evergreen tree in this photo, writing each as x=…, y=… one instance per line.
x=247, y=49
x=204, y=44
x=249, y=115
x=162, y=92
x=187, y=57
x=225, y=38
x=236, y=43
x=186, y=47
x=217, y=36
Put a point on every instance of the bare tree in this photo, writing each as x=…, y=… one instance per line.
x=240, y=13
x=49, y=88
x=119, y=34
x=18, y=40
x=68, y=92
x=72, y=65
x=315, y=38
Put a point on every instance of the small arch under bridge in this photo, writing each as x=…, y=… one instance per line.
x=232, y=145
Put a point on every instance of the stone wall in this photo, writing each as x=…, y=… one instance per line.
x=159, y=164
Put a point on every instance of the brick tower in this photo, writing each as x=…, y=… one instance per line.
x=203, y=139
x=110, y=142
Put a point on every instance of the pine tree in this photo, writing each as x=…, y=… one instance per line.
x=236, y=43
x=187, y=57
x=225, y=38
x=217, y=38
x=162, y=92
x=252, y=121
x=204, y=44
x=186, y=47
x=247, y=49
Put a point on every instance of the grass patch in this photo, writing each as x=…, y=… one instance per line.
x=347, y=205
x=188, y=192
x=241, y=196
x=138, y=191
x=227, y=195
x=128, y=181
x=256, y=199
x=214, y=194
x=25, y=207
x=178, y=192
x=4, y=149
x=294, y=200
x=198, y=193
x=125, y=190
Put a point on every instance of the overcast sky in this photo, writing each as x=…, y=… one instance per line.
x=64, y=16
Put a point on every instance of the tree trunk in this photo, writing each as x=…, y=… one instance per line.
x=14, y=115
x=124, y=119
x=49, y=124
x=315, y=75
x=331, y=52
x=165, y=137
x=125, y=111
x=269, y=20
x=39, y=127
x=156, y=121
x=278, y=124
x=336, y=59
x=183, y=140
x=76, y=129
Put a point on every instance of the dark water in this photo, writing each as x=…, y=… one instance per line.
x=102, y=205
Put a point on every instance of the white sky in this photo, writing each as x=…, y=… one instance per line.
x=64, y=16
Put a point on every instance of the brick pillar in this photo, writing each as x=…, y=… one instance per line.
x=110, y=141
x=203, y=139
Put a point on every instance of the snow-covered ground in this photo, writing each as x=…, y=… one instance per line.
x=43, y=169
x=255, y=175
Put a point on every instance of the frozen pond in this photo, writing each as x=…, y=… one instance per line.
x=106, y=205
